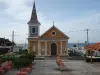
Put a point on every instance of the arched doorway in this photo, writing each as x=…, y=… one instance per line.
x=53, y=49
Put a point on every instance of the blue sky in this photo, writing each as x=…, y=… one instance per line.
x=69, y=15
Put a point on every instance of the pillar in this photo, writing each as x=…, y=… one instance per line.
x=39, y=48
x=30, y=46
x=45, y=48
x=61, y=47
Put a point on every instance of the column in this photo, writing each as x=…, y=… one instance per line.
x=65, y=49
x=45, y=48
x=30, y=46
x=61, y=47
x=33, y=49
x=39, y=48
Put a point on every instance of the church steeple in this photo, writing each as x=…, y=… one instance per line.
x=34, y=19
x=33, y=24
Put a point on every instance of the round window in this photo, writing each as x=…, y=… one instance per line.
x=53, y=33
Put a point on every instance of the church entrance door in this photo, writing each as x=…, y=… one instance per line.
x=53, y=49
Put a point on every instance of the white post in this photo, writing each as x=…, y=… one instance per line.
x=61, y=47
x=39, y=48
x=45, y=48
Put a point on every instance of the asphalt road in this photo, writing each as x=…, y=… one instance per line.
x=76, y=67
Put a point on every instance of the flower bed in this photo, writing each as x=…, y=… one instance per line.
x=17, y=61
x=5, y=66
x=26, y=70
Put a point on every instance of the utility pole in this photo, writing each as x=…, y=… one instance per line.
x=13, y=40
x=87, y=30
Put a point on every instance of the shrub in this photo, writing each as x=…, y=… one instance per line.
x=21, y=62
x=30, y=56
x=8, y=58
x=25, y=50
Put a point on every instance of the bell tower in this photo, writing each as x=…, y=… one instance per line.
x=33, y=24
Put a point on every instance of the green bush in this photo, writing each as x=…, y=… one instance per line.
x=1, y=60
x=21, y=62
x=24, y=60
x=8, y=58
x=30, y=56
x=25, y=50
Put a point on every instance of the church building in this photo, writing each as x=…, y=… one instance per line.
x=52, y=42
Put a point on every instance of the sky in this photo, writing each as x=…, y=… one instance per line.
x=71, y=16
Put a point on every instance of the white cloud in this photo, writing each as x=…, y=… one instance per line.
x=16, y=8
x=21, y=13
x=92, y=21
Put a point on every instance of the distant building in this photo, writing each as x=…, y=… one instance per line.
x=5, y=49
x=52, y=42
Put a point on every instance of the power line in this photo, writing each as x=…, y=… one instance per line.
x=87, y=34
x=83, y=30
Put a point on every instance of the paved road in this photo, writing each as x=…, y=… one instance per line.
x=48, y=67
x=45, y=67
x=77, y=67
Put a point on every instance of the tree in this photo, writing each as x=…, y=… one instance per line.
x=6, y=42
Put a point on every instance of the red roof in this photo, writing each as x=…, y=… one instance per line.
x=95, y=46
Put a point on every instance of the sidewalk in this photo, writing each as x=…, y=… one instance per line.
x=77, y=67
x=48, y=67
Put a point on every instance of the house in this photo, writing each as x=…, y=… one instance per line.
x=52, y=42
x=93, y=48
